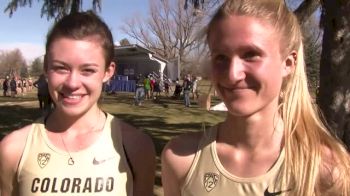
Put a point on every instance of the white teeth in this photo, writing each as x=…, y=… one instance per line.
x=73, y=96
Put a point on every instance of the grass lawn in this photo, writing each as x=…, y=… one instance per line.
x=161, y=119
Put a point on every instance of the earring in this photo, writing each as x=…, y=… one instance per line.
x=281, y=97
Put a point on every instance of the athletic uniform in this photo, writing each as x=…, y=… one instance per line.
x=207, y=176
x=101, y=169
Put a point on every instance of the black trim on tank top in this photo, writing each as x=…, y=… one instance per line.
x=128, y=160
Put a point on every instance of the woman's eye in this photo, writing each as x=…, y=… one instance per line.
x=251, y=56
x=88, y=71
x=219, y=59
x=60, y=69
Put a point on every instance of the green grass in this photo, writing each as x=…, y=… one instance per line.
x=161, y=119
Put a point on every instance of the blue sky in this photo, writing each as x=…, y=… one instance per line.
x=26, y=30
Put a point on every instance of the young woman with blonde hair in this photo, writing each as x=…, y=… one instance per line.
x=273, y=140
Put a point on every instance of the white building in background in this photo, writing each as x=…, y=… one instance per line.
x=133, y=60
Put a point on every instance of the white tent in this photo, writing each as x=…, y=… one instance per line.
x=219, y=107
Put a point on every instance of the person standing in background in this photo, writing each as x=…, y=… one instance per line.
x=195, y=92
x=147, y=86
x=19, y=86
x=187, y=89
x=152, y=82
x=43, y=93
x=30, y=84
x=13, y=87
x=6, y=86
x=140, y=90
x=24, y=86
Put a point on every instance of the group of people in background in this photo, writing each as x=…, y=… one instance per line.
x=150, y=87
x=16, y=86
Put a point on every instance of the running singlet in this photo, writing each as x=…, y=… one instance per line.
x=207, y=176
x=100, y=169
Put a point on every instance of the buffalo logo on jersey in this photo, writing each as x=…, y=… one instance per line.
x=43, y=159
x=210, y=181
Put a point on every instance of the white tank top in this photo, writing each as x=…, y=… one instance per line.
x=101, y=169
x=207, y=176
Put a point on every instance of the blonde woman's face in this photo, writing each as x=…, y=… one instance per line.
x=76, y=71
x=246, y=65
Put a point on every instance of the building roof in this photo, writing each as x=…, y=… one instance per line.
x=134, y=49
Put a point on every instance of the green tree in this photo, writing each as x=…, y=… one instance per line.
x=52, y=9
x=36, y=67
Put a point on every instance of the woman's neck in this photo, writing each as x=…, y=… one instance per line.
x=87, y=122
x=251, y=133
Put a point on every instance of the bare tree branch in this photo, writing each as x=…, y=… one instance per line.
x=306, y=9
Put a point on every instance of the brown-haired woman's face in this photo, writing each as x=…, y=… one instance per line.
x=246, y=65
x=76, y=71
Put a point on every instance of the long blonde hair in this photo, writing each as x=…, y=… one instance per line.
x=307, y=138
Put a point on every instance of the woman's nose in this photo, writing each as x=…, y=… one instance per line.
x=73, y=80
x=236, y=70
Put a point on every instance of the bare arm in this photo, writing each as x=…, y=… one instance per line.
x=11, y=149
x=177, y=158
x=140, y=151
x=35, y=84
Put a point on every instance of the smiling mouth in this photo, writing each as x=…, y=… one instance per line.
x=71, y=99
x=72, y=96
x=235, y=88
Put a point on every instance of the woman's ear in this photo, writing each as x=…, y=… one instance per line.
x=289, y=63
x=109, y=71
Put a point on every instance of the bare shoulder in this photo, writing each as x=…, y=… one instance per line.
x=141, y=154
x=132, y=136
x=182, y=146
x=12, y=145
x=177, y=158
x=11, y=149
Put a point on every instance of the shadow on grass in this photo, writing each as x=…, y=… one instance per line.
x=15, y=116
x=157, y=128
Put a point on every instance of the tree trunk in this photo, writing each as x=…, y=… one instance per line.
x=75, y=7
x=334, y=92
